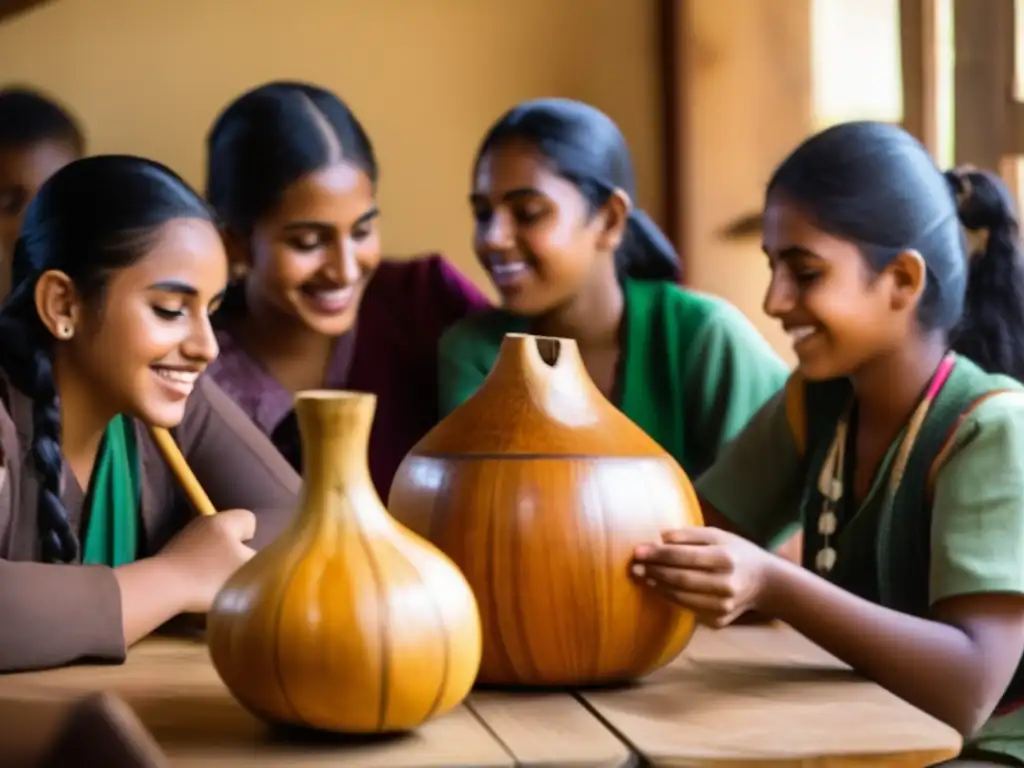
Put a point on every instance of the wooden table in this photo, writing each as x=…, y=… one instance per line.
x=743, y=696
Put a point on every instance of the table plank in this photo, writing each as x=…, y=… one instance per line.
x=173, y=689
x=763, y=696
x=549, y=730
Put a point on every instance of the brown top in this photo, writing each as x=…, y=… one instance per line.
x=59, y=614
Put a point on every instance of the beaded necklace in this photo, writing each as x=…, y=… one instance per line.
x=831, y=480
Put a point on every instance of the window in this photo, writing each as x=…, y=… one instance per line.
x=856, y=65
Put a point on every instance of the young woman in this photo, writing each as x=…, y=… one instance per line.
x=898, y=443
x=108, y=330
x=37, y=137
x=559, y=232
x=293, y=177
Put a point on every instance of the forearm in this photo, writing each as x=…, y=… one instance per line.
x=54, y=615
x=151, y=594
x=934, y=666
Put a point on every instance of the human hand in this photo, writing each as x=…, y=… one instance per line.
x=207, y=551
x=716, y=574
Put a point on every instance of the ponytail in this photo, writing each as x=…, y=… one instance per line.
x=646, y=253
x=991, y=331
x=25, y=358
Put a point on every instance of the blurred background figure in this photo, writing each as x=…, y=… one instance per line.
x=38, y=137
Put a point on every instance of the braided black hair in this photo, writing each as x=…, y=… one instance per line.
x=25, y=358
x=91, y=218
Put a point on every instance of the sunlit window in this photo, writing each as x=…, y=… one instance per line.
x=856, y=65
x=856, y=61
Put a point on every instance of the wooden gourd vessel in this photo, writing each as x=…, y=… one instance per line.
x=540, y=489
x=347, y=622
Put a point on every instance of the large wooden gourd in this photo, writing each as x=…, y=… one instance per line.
x=347, y=622
x=539, y=489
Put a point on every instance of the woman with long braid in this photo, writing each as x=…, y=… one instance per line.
x=108, y=331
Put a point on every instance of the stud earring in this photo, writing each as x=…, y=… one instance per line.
x=64, y=331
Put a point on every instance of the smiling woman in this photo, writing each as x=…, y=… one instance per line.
x=560, y=233
x=106, y=332
x=898, y=444
x=293, y=176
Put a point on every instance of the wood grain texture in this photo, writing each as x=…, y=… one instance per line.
x=347, y=622
x=768, y=697
x=743, y=696
x=174, y=691
x=549, y=729
x=539, y=489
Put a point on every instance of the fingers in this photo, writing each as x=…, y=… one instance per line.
x=699, y=582
x=697, y=556
x=240, y=524
x=692, y=535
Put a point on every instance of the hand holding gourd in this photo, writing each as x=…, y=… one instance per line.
x=716, y=574
x=539, y=488
x=207, y=551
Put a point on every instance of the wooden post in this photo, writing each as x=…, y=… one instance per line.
x=673, y=101
x=741, y=99
x=989, y=120
x=919, y=61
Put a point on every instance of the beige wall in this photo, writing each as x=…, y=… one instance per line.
x=745, y=78
x=425, y=76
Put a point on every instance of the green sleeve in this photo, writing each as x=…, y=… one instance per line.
x=730, y=372
x=757, y=481
x=977, y=529
x=460, y=368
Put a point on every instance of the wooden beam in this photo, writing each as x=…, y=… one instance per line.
x=985, y=109
x=744, y=93
x=919, y=62
x=673, y=101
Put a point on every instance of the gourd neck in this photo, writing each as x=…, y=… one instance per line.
x=335, y=428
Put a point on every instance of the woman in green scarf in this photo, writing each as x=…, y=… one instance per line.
x=106, y=333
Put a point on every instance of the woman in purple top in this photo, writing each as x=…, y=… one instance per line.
x=293, y=177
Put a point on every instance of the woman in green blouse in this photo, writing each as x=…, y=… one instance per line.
x=558, y=231
x=898, y=443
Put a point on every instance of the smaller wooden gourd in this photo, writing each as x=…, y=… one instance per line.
x=540, y=489
x=347, y=622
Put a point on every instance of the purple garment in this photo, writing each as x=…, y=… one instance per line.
x=392, y=353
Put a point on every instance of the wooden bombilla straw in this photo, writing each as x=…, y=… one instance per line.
x=186, y=478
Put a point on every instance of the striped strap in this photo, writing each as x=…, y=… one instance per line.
x=796, y=415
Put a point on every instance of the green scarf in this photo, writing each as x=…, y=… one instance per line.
x=111, y=535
